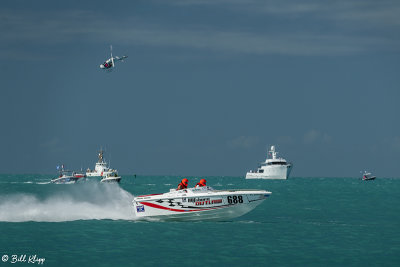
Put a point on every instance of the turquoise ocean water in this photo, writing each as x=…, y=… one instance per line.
x=305, y=222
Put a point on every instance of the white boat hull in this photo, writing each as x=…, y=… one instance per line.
x=98, y=174
x=369, y=178
x=111, y=179
x=209, y=206
x=272, y=172
x=92, y=174
x=65, y=180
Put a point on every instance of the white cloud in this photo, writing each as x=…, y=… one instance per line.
x=314, y=136
x=285, y=139
x=350, y=15
x=250, y=43
x=243, y=142
x=51, y=143
x=368, y=11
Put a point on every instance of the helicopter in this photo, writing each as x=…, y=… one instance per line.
x=109, y=64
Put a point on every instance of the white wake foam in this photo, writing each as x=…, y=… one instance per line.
x=91, y=201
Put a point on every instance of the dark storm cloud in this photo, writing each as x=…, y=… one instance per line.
x=327, y=28
x=207, y=87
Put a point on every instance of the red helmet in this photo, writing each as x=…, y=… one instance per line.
x=185, y=181
x=203, y=182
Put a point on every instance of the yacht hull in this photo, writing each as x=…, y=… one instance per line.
x=272, y=172
x=208, y=206
x=369, y=178
x=98, y=174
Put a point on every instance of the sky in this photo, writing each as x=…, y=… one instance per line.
x=208, y=86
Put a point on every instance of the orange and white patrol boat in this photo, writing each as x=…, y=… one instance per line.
x=198, y=204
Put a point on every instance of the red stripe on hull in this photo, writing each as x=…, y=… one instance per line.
x=165, y=208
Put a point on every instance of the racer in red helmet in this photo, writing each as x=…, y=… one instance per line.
x=183, y=184
x=202, y=183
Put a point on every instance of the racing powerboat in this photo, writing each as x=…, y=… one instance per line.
x=198, y=204
x=67, y=177
x=368, y=176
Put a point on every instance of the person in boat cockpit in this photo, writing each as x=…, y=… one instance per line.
x=183, y=184
x=202, y=183
x=107, y=65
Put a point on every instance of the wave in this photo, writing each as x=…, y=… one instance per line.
x=43, y=182
x=82, y=202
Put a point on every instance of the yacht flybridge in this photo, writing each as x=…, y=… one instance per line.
x=272, y=168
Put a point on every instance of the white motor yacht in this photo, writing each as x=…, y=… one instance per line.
x=198, y=204
x=272, y=168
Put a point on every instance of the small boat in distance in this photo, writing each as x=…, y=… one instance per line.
x=80, y=174
x=101, y=169
x=272, y=168
x=198, y=204
x=67, y=177
x=368, y=176
x=111, y=178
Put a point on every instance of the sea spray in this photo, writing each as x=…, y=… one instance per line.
x=87, y=201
